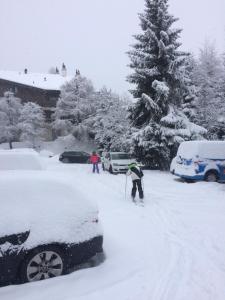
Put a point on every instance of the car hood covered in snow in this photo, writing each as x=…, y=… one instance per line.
x=46, y=205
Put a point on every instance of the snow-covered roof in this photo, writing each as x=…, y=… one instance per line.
x=38, y=80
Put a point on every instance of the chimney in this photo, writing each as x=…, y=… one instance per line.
x=63, y=70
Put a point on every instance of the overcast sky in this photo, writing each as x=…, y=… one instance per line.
x=93, y=35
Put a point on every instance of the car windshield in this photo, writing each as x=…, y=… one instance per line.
x=121, y=156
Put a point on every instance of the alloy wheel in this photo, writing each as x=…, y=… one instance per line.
x=44, y=265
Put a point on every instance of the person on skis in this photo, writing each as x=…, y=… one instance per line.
x=94, y=159
x=136, y=174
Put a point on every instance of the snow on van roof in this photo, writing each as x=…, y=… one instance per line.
x=38, y=80
x=204, y=149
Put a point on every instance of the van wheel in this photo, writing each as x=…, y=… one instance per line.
x=211, y=176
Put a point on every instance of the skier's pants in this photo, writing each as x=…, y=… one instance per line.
x=95, y=167
x=137, y=183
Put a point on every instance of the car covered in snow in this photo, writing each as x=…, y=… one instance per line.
x=116, y=162
x=20, y=159
x=200, y=160
x=46, y=226
x=79, y=157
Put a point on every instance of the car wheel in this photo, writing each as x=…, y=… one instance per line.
x=211, y=176
x=65, y=160
x=110, y=169
x=42, y=263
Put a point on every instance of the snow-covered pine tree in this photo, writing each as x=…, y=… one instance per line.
x=10, y=108
x=74, y=106
x=158, y=72
x=31, y=123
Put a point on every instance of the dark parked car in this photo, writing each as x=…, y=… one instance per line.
x=46, y=227
x=78, y=157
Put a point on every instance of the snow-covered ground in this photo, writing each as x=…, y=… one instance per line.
x=173, y=248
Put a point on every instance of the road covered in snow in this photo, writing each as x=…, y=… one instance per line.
x=173, y=248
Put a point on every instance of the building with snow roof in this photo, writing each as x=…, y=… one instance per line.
x=43, y=89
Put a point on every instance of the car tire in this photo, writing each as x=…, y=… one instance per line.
x=211, y=176
x=111, y=169
x=65, y=160
x=43, y=262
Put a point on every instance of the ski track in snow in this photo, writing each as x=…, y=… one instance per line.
x=173, y=248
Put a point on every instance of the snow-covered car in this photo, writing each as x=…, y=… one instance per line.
x=46, y=227
x=79, y=157
x=20, y=159
x=200, y=160
x=117, y=162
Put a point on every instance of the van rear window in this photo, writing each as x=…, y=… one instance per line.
x=188, y=150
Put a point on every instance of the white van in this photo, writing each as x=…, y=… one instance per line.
x=116, y=162
x=200, y=160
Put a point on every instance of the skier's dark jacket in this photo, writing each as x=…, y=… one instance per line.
x=135, y=171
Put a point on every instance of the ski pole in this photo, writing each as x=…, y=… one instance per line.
x=126, y=189
x=142, y=180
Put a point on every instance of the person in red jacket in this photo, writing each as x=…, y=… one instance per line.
x=95, y=160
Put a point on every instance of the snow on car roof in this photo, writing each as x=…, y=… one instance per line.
x=46, y=205
x=20, y=159
x=38, y=80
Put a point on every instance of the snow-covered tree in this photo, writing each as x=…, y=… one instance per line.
x=31, y=123
x=10, y=108
x=110, y=124
x=74, y=106
x=210, y=77
x=190, y=97
x=159, y=85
